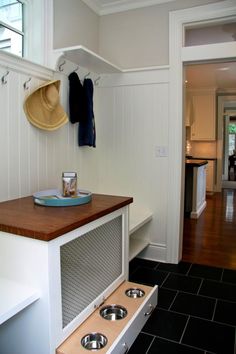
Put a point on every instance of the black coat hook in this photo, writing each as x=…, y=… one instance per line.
x=26, y=87
x=61, y=65
x=97, y=80
x=87, y=75
x=4, y=80
x=76, y=69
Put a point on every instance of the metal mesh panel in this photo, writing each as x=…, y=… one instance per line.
x=89, y=264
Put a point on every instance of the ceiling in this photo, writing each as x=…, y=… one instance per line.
x=104, y=7
x=211, y=75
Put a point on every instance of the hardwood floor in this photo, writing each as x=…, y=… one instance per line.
x=211, y=239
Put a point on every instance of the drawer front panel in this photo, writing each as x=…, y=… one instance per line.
x=131, y=331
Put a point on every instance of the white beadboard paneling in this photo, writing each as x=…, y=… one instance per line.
x=24, y=188
x=31, y=159
x=42, y=160
x=132, y=120
x=4, y=138
x=13, y=142
x=139, y=77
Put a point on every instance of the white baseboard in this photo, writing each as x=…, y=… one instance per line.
x=196, y=214
x=154, y=252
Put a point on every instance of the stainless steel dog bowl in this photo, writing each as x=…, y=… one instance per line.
x=94, y=341
x=113, y=312
x=135, y=292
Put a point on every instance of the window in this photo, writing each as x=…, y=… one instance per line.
x=26, y=29
x=232, y=138
x=11, y=26
x=201, y=34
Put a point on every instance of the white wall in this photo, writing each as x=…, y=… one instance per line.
x=75, y=24
x=134, y=38
x=140, y=38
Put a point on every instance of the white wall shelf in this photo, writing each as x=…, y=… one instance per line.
x=14, y=298
x=86, y=58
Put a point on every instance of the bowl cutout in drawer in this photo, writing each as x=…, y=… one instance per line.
x=113, y=312
x=94, y=341
x=134, y=293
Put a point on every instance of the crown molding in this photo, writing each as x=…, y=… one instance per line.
x=102, y=8
x=94, y=5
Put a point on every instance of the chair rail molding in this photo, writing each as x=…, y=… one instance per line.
x=177, y=21
x=24, y=66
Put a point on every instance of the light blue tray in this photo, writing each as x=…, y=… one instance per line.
x=53, y=197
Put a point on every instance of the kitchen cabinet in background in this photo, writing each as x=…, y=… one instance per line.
x=203, y=126
x=188, y=110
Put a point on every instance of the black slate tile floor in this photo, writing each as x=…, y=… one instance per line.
x=196, y=311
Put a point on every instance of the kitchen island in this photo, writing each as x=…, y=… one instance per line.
x=211, y=171
x=58, y=265
x=45, y=253
x=195, y=187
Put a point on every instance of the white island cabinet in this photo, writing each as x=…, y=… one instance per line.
x=67, y=261
x=199, y=191
x=195, y=187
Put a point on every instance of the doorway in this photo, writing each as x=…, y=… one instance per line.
x=214, y=83
x=227, y=108
x=178, y=55
x=229, y=133
x=207, y=240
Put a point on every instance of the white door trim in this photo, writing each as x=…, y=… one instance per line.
x=209, y=51
x=177, y=20
x=222, y=100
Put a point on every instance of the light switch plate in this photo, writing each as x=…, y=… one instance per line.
x=161, y=151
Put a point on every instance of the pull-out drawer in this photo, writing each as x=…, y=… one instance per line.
x=121, y=324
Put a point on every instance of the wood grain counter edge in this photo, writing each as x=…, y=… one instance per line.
x=22, y=217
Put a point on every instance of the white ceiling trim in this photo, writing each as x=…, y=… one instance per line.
x=101, y=7
x=93, y=5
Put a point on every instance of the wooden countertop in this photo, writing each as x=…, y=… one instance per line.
x=23, y=217
x=201, y=158
x=195, y=163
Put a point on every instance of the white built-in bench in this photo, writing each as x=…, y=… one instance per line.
x=138, y=217
x=14, y=298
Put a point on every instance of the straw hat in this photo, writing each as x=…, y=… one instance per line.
x=43, y=109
